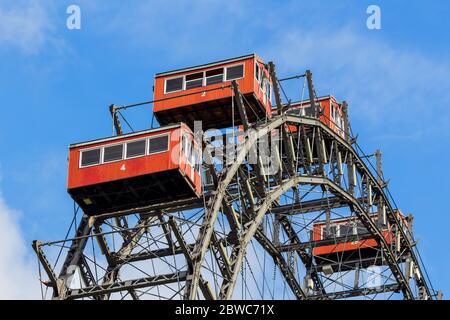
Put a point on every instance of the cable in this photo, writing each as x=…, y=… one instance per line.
x=128, y=124
x=169, y=98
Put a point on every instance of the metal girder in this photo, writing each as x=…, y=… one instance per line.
x=312, y=94
x=281, y=263
x=154, y=254
x=249, y=231
x=103, y=244
x=373, y=229
x=251, y=227
x=113, y=109
x=287, y=139
x=53, y=281
x=264, y=201
x=304, y=256
x=86, y=273
x=240, y=104
x=118, y=259
x=276, y=255
x=128, y=285
x=215, y=203
x=207, y=293
x=154, y=209
x=310, y=206
x=377, y=188
x=72, y=261
x=351, y=293
x=346, y=121
x=221, y=256
x=207, y=229
x=350, y=263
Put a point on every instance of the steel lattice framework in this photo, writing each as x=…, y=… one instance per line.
x=249, y=237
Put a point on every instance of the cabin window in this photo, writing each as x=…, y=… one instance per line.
x=214, y=76
x=187, y=150
x=331, y=234
x=295, y=112
x=158, y=144
x=235, y=72
x=346, y=230
x=268, y=90
x=90, y=157
x=308, y=111
x=135, y=148
x=360, y=229
x=257, y=71
x=207, y=178
x=192, y=154
x=332, y=112
x=184, y=144
x=194, y=80
x=113, y=153
x=174, y=84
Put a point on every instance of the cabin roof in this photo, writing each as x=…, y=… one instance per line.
x=137, y=133
x=206, y=65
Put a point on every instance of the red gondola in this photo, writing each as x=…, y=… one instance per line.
x=135, y=170
x=332, y=113
x=203, y=93
x=347, y=241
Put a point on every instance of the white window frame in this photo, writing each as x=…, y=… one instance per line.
x=324, y=227
x=193, y=156
x=183, y=143
x=332, y=112
x=338, y=121
x=303, y=112
x=113, y=145
x=190, y=142
x=205, y=78
x=90, y=165
x=171, y=78
x=224, y=77
x=259, y=71
x=234, y=65
x=186, y=81
x=187, y=152
x=135, y=140
x=156, y=136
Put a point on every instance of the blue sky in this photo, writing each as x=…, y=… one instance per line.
x=56, y=85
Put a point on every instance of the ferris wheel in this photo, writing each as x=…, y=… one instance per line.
x=279, y=202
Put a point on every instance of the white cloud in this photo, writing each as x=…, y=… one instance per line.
x=18, y=269
x=24, y=25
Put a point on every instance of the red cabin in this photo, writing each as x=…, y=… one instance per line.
x=135, y=170
x=347, y=240
x=332, y=115
x=203, y=93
